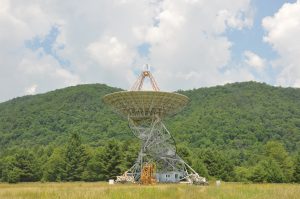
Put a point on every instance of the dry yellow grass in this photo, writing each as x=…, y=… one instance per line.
x=103, y=190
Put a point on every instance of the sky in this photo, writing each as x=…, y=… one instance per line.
x=51, y=44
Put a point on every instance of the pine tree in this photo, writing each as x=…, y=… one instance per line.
x=28, y=166
x=1, y=169
x=276, y=151
x=54, y=169
x=267, y=170
x=95, y=167
x=10, y=173
x=76, y=158
x=218, y=164
x=242, y=174
x=200, y=168
x=129, y=154
x=258, y=173
x=297, y=169
x=185, y=153
x=111, y=160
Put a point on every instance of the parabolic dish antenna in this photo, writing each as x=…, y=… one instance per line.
x=141, y=104
x=145, y=111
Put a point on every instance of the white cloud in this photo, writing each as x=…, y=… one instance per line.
x=282, y=32
x=238, y=20
x=21, y=70
x=188, y=48
x=255, y=61
x=110, y=52
x=31, y=90
x=186, y=38
x=46, y=71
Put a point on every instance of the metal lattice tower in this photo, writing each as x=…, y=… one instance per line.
x=137, y=86
x=145, y=111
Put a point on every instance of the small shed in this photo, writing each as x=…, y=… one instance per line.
x=172, y=176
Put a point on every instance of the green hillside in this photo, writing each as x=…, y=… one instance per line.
x=240, y=115
x=231, y=116
x=48, y=118
x=238, y=124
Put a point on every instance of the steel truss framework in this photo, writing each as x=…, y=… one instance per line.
x=158, y=146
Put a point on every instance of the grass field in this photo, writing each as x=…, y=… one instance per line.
x=103, y=190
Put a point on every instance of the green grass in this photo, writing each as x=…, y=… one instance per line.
x=82, y=190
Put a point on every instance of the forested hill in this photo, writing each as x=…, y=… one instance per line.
x=237, y=132
x=240, y=115
x=234, y=116
x=49, y=118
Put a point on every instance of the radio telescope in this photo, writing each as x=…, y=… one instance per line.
x=145, y=111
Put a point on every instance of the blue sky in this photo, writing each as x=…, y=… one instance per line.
x=252, y=38
x=47, y=43
x=188, y=43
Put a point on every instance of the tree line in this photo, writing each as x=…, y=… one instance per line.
x=75, y=161
x=71, y=162
x=246, y=132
